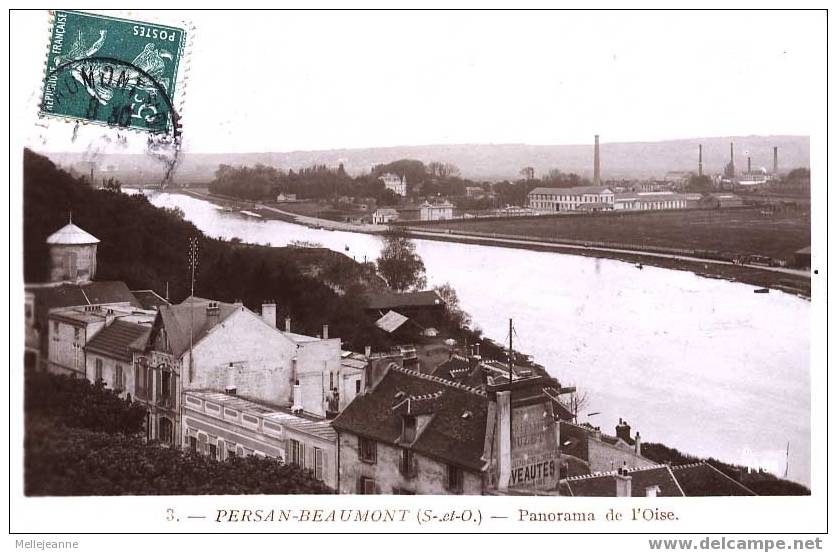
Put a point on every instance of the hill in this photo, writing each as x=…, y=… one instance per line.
x=475, y=161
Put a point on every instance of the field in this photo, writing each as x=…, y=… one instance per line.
x=727, y=232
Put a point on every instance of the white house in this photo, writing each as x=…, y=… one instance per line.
x=579, y=198
x=436, y=211
x=384, y=215
x=395, y=183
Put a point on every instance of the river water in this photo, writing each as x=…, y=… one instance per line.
x=699, y=364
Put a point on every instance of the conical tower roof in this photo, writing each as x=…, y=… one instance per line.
x=71, y=234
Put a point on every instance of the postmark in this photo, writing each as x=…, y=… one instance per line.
x=114, y=72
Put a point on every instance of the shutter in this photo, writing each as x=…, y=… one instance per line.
x=288, y=458
x=302, y=452
x=173, y=390
x=137, y=388
x=157, y=375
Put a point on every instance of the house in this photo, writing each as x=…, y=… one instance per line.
x=802, y=258
x=72, y=255
x=475, y=192
x=425, y=308
x=395, y=183
x=588, y=450
x=436, y=211
x=71, y=328
x=109, y=355
x=72, y=252
x=285, y=197
x=724, y=199
x=415, y=433
x=550, y=200
x=149, y=299
x=203, y=344
x=650, y=481
x=649, y=201
x=384, y=216
x=224, y=425
x=702, y=479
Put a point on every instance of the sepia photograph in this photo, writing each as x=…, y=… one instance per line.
x=547, y=257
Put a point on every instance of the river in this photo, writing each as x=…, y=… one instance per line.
x=699, y=364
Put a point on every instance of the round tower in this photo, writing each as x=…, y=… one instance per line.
x=72, y=253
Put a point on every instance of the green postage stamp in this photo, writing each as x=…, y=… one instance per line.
x=113, y=72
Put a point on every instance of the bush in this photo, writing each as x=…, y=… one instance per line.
x=64, y=461
x=77, y=402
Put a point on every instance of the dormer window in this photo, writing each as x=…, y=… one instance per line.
x=408, y=429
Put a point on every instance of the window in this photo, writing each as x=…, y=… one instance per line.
x=231, y=450
x=408, y=430
x=331, y=381
x=368, y=450
x=76, y=334
x=213, y=451
x=455, y=479
x=366, y=486
x=98, y=369
x=55, y=337
x=357, y=386
x=193, y=444
x=297, y=453
x=119, y=379
x=318, y=463
x=407, y=463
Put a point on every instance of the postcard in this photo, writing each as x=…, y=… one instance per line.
x=395, y=272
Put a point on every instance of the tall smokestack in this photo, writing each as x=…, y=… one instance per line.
x=596, y=173
x=731, y=155
x=700, y=160
x=749, y=168
x=775, y=160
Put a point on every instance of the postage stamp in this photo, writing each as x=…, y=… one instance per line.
x=114, y=72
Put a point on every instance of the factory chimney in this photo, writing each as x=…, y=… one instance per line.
x=775, y=160
x=749, y=168
x=700, y=160
x=596, y=173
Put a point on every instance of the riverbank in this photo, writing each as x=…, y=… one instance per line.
x=792, y=281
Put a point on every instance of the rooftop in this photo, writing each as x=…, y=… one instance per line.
x=52, y=296
x=118, y=340
x=573, y=191
x=394, y=300
x=455, y=432
x=71, y=234
x=314, y=426
x=191, y=314
x=604, y=484
x=149, y=299
x=702, y=479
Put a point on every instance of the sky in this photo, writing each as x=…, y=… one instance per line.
x=284, y=81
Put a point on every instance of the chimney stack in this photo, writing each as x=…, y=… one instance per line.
x=596, y=170
x=637, y=444
x=212, y=314
x=503, y=425
x=775, y=160
x=287, y=324
x=623, y=431
x=269, y=313
x=623, y=482
x=325, y=332
x=700, y=160
x=749, y=168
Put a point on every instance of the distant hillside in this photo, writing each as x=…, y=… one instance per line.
x=478, y=161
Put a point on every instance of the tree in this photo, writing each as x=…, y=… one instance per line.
x=456, y=315
x=528, y=173
x=399, y=264
x=700, y=183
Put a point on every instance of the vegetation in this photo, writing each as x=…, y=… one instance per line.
x=399, y=264
x=82, y=439
x=79, y=403
x=762, y=483
x=776, y=232
x=146, y=247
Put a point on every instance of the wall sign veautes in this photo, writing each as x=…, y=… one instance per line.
x=113, y=72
